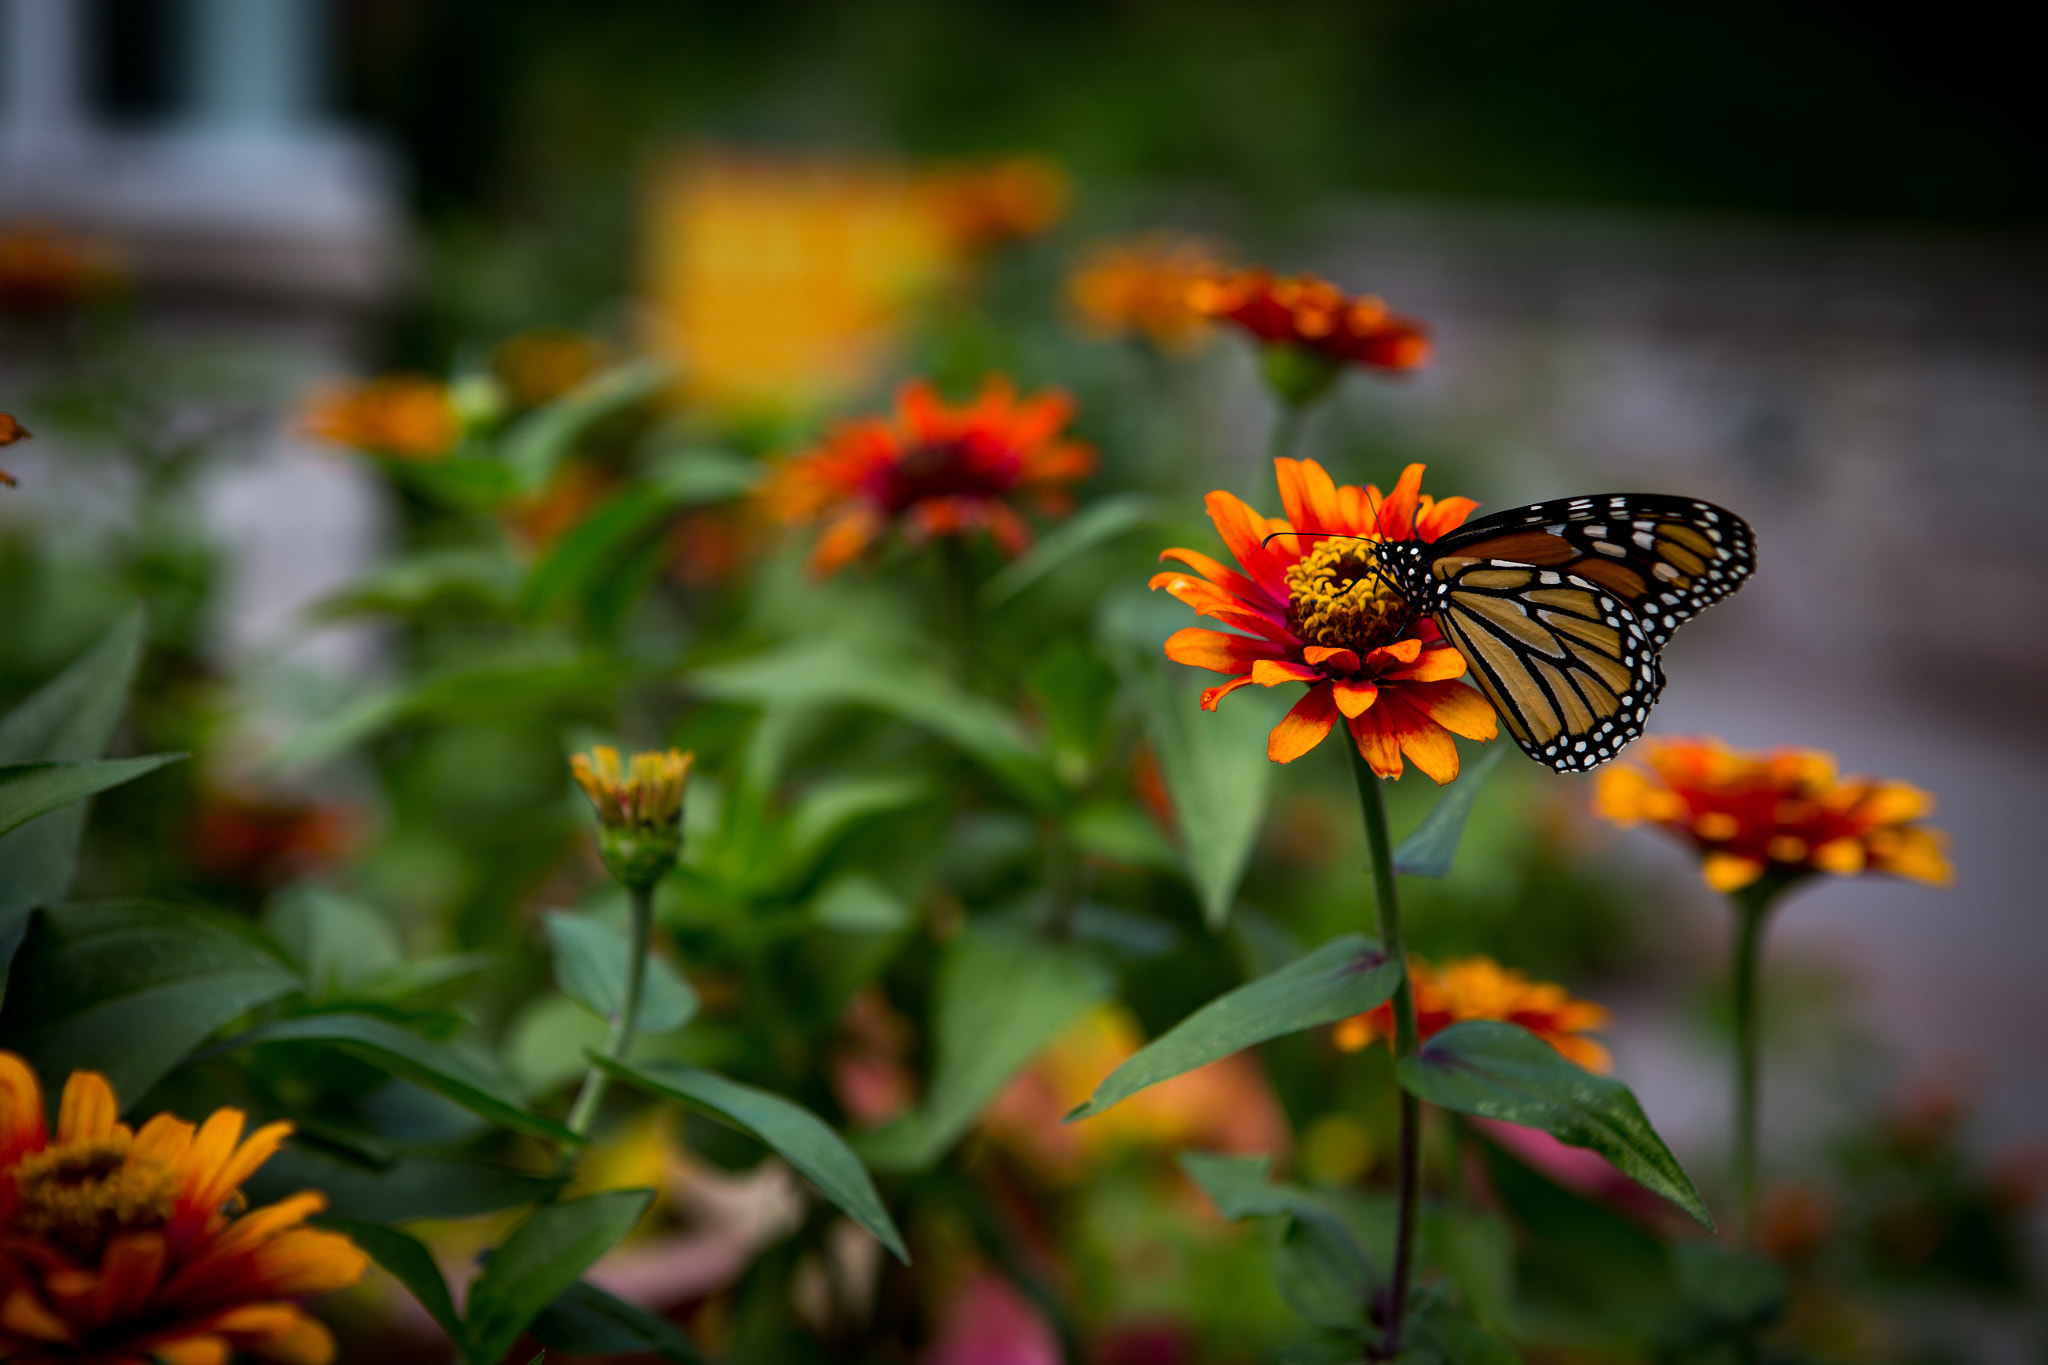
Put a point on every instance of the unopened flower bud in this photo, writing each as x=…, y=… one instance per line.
x=639, y=810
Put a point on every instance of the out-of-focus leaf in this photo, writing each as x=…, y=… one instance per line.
x=1430, y=850
x=1325, y=1275
x=464, y=578
x=69, y=718
x=1435, y=1328
x=410, y=1263
x=543, y=438
x=544, y=1047
x=1094, y=525
x=405, y=1054
x=595, y=548
x=1734, y=1287
x=1241, y=1187
x=337, y=942
x=466, y=479
x=537, y=1264
x=586, y=1321
x=1074, y=690
x=858, y=904
x=829, y=673
x=795, y=1134
x=128, y=988
x=1342, y=1349
x=28, y=790
x=591, y=959
x=1346, y=976
x=404, y=1190
x=1122, y=833
x=1002, y=998
x=512, y=688
x=829, y=806
x=1499, y=1070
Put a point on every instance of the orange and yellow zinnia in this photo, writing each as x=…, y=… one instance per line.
x=1784, y=812
x=1480, y=988
x=936, y=470
x=121, y=1246
x=1310, y=313
x=1320, y=612
x=1142, y=289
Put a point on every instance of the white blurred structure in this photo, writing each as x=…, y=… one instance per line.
x=247, y=218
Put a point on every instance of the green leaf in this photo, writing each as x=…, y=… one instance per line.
x=405, y=1054
x=1093, y=525
x=463, y=579
x=586, y=1321
x=410, y=1263
x=796, y=1134
x=1498, y=1070
x=1346, y=976
x=828, y=807
x=1734, y=1287
x=128, y=988
x=1001, y=999
x=540, y=1261
x=1241, y=1187
x=1435, y=1328
x=68, y=718
x=1325, y=1275
x=1428, y=852
x=591, y=959
x=545, y=437
x=829, y=673
x=31, y=789
x=858, y=904
x=337, y=942
x=407, y=1189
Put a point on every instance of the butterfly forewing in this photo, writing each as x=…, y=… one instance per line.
x=1560, y=609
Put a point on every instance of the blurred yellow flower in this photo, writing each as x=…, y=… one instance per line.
x=1784, y=811
x=400, y=416
x=1142, y=288
x=646, y=793
x=1480, y=988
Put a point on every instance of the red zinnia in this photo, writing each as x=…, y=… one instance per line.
x=934, y=471
x=1321, y=613
x=1311, y=313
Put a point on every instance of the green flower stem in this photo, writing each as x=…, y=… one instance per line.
x=962, y=606
x=584, y=1112
x=1752, y=907
x=1409, y=1157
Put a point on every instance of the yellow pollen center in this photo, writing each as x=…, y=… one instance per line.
x=1338, y=598
x=79, y=1194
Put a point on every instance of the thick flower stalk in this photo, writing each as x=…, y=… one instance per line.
x=1480, y=988
x=1309, y=330
x=119, y=1246
x=1143, y=289
x=639, y=809
x=1784, y=814
x=398, y=416
x=933, y=471
x=1318, y=611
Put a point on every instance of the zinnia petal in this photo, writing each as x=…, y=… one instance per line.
x=1216, y=650
x=1304, y=727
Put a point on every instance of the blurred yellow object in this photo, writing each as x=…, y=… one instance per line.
x=782, y=284
x=1337, y=1148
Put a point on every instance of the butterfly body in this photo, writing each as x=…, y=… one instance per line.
x=1561, y=608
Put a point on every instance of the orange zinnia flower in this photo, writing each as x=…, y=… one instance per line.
x=1143, y=289
x=981, y=204
x=118, y=1246
x=1321, y=613
x=1480, y=988
x=403, y=416
x=1313, y=315
x=934, y=471
x=1784, y=812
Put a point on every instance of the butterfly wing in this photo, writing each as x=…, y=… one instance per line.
x=1561, y=608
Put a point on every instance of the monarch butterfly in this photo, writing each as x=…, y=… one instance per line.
x=1560, y=608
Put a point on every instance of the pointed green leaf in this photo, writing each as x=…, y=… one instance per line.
x=1002, y=998
x=1346, y=976
x=1325, y=1275
x=591, y=959
x=69, y=718
x=545, y=437
x=539, y=1262
x=1498, y=1070
x=1430, y=850
x=410, y=1263
x=1096, y=524
x=398, y=1191
x=405, y=1054
x=796, y=1134
x=1242, y=1187
x=130, y=987
x=586, y=1321
x=31, y=789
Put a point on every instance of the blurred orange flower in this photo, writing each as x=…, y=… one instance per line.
x=402, y=416
x=1225, y=1106
x=45, y=271
x=265, y=842
x=539, y=367
x=538, y=520
x=1784, y=812
x=11, y=431
x=934, y=471
x=123, y=1246
x=983, y=204
x=1311, y=313
x=1143, y=288
x=1320, y=613
x=1480, y=988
